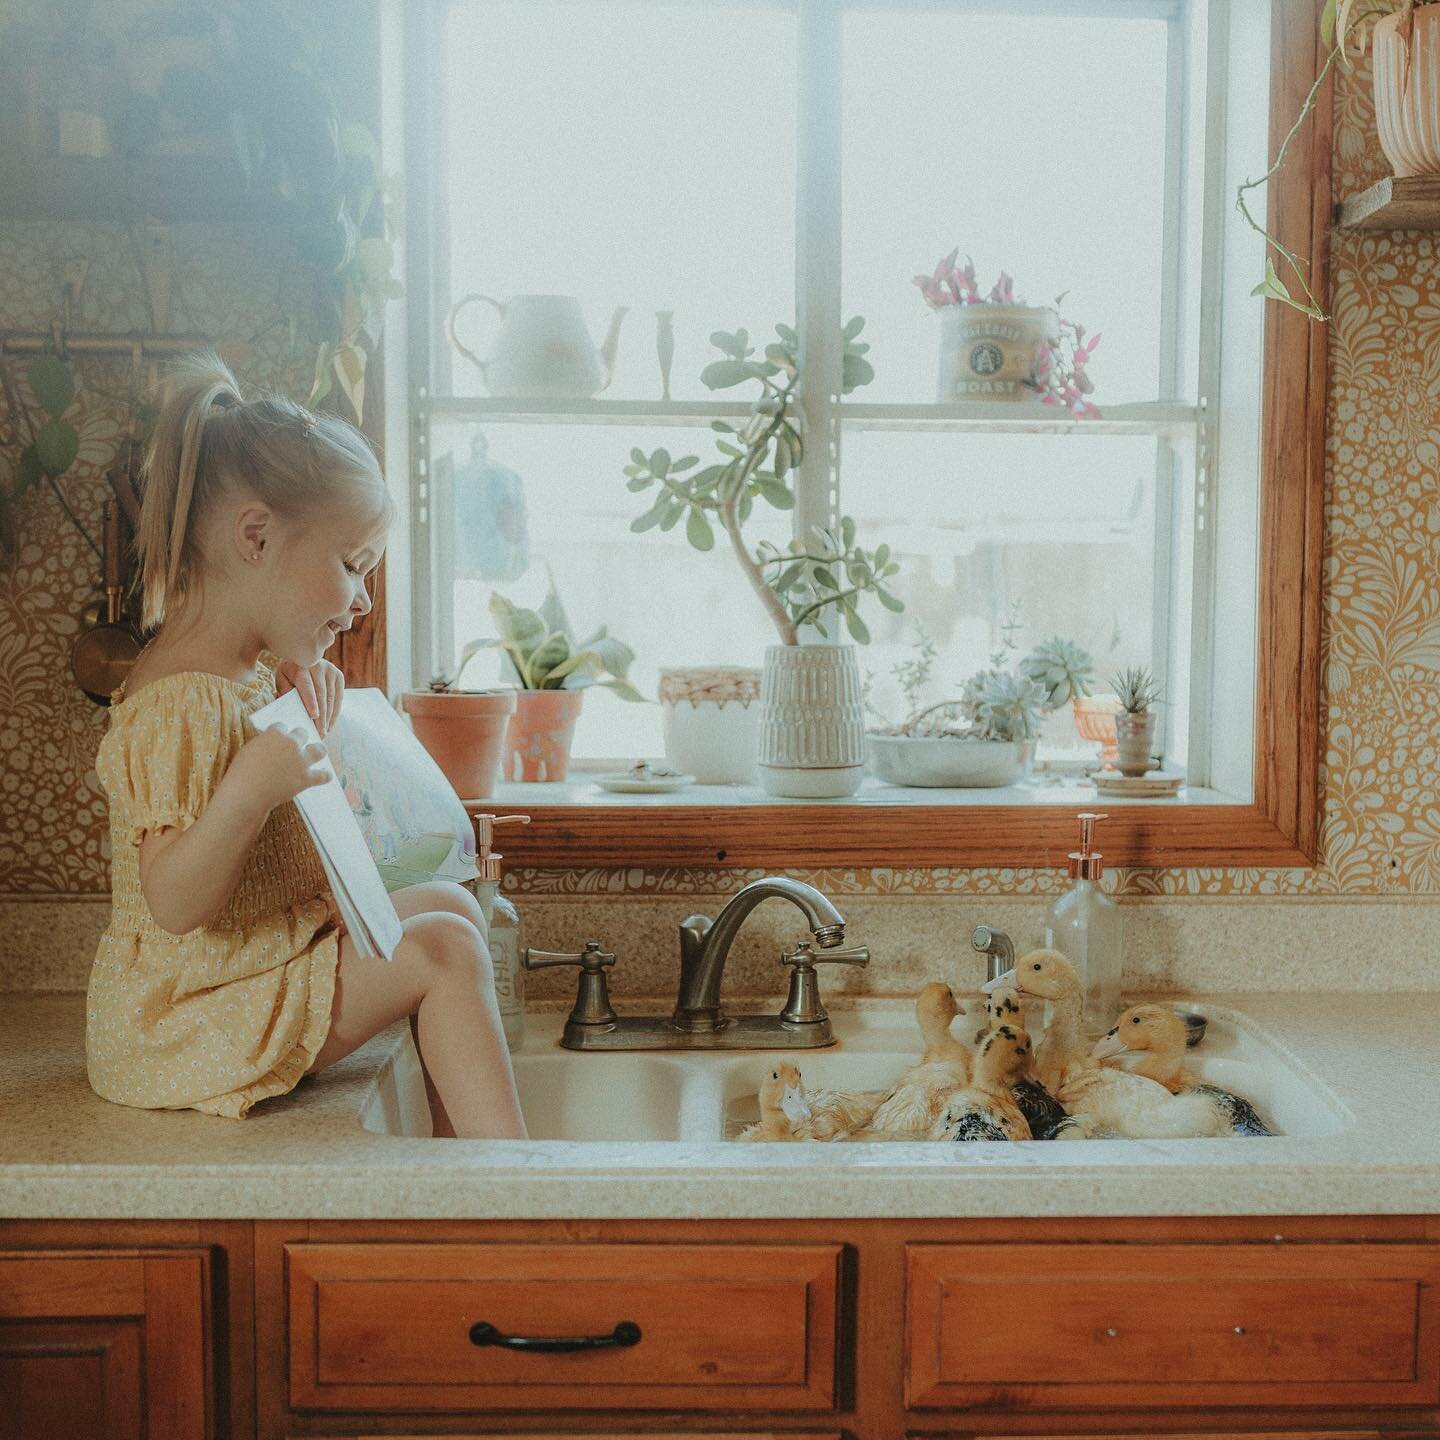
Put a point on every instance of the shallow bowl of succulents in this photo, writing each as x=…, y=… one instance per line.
x=977, y=742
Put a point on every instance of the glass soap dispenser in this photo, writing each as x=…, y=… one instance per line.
x=1084, y=925
x=505, y=932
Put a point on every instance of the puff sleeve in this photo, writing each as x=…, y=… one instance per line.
x=170, y=754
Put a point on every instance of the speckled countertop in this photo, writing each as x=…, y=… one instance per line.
x=66, y=1153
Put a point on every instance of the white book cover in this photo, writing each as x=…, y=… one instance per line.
x=360, y=893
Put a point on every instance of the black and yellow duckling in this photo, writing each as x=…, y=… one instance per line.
x=987, y=1108
x=1151, y=1040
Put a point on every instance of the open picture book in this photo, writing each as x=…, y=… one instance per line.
x=385, y=819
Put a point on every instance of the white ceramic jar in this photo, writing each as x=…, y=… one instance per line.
x=711, y=719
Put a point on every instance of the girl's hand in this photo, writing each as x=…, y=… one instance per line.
x=276, y=765
x=321, y=688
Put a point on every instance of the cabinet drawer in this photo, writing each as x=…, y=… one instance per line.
x=1133, y=1327
x=732, y=1327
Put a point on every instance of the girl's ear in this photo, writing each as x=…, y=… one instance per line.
x=254, y=528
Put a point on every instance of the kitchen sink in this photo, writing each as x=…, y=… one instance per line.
x=705, y=1097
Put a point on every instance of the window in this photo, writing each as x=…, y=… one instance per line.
x=732, y=163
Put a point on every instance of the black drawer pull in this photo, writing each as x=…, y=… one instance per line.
x=627, y=1332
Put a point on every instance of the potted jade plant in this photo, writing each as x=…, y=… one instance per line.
x=1135, y=720
x=812, y=724
x=553, y=672
x=995, y=347
x=985, y=737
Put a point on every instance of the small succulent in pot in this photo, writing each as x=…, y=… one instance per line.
x=1003, y=705
x=1138, y=695
x=1062, y=667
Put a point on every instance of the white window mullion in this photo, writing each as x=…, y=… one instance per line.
x=817, y=262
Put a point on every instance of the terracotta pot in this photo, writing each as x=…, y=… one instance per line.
x=1407, y=90
x=537, y=744
x=464, y=731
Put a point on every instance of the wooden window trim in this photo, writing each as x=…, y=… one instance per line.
x=1280, y=827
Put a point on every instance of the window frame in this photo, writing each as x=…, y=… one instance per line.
x=1278, y=827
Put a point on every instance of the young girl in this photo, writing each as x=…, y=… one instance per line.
x=224, y=976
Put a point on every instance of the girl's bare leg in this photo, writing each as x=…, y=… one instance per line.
x=441, y=976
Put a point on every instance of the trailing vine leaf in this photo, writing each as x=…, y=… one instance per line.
x=56, y=446
x=52, y=384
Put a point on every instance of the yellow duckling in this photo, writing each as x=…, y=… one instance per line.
x=782, y=1106
x=986, y=1109
x=918, y=1099
x=1152, y=1040
x=1101, y=1100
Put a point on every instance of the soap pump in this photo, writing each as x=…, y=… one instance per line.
x=505, y=932
x=1084, y=924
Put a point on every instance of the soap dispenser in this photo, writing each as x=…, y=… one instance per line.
x=1084, y=924
x=504, y=930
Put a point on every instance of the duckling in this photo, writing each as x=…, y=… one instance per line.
x=782, y=1106
x=1100, y=1100
x=918, y=1098
x=837, y=1114
x=1151, y=1040
x=986, y=1109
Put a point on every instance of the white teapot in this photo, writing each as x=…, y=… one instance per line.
x=543, y=348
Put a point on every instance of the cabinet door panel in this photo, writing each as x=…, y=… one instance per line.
x=388, y=1327
x=70, y=1380
x=1105, y=1327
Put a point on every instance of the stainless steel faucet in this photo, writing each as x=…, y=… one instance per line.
x=996, y=944
x=698, y=1022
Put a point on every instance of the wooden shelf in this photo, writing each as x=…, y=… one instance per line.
x=1411, y=203
x=176, y=188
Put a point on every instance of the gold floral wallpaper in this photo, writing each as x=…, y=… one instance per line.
x=1382, y=574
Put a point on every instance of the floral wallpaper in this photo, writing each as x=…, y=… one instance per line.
x=1381, y=827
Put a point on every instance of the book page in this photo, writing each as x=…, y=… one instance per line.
x=360, y=893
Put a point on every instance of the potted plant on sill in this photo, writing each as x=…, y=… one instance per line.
x=985, y=737
x=1135, y=722
x=812, y=724
x=995, y=347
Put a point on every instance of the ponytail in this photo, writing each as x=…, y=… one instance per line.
x=172, y=469
x=209, y=443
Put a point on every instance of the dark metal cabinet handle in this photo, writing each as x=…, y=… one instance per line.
x=626, y=1333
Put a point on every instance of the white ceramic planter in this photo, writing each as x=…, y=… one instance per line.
x=711, y=719
x=987, y=352
x=946, y=762
x=812, y=722
x=1407, y=91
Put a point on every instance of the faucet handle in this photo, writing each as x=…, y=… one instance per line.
x=592, y=1010
x=591, y=958
x=802, y=1005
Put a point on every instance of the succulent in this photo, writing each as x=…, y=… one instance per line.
x=1002, y=705
x=1136, y=690
x=1062, y=667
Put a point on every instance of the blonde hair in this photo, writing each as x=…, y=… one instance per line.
x=210, y=443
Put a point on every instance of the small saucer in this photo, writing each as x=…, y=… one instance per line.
x=647, y=782
x=1141, y=787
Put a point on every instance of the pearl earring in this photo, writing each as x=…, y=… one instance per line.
x=254, y=554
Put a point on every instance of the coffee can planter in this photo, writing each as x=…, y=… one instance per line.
x=987, y=352
x=465, y=732
x=812, y=722
x=537, y=745
x=1407, y=90
x=711, y=720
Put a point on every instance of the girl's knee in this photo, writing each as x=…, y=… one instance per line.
x=450, y=944
x=447, y=897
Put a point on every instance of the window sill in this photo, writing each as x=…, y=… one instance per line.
x=577, y=824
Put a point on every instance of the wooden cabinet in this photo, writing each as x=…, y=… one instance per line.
x=557, y=1327
x=1153, y=1327
x=103, y=1346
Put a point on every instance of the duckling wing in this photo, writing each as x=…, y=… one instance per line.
x=1045, y=1115
x=1141, y=1109
x=1243, y=1117
x=914, y=1105
x=834, y=1114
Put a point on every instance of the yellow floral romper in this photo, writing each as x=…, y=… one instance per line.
x=235, y=1010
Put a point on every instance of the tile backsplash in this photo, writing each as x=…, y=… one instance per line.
x=1363, y=917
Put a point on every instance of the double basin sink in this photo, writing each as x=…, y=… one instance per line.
x=695, y=1097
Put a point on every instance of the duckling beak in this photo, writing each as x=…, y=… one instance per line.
x=1108, y=1046
x=1008, y=978
x=794, y=1106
